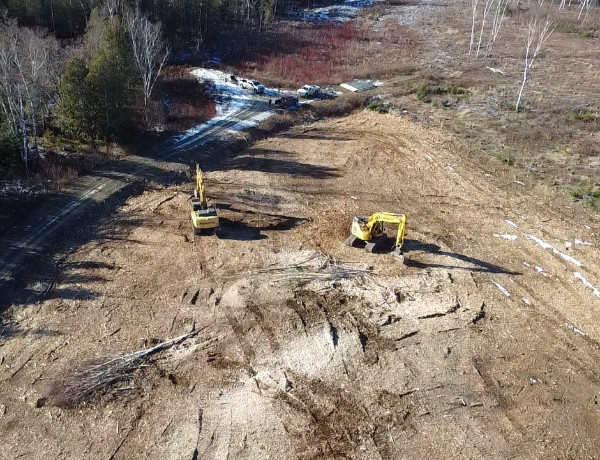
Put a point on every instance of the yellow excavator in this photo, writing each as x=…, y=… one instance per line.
x=204, y=217
x=370, y=231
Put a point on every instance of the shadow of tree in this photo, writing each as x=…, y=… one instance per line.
x=476, y=265
x=267, y=161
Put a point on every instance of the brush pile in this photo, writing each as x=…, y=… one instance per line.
x=316, y=267
x=99, y=377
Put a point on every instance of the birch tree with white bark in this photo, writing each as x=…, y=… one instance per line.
x=486, y=11
x=497, y=21
x=474, y=4
x=149, y=49
x=538, y=32
x=29, y=72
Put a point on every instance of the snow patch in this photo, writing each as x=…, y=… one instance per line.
x=230, y=100
x=506, y=236
x=545, y=245
x=526, y=301
x=344, y=12
x=582, y=243
x=511, y=223
x=20, y=188
x=587, y=284
x=501, y=289
x=541, y=271
x=574, y=329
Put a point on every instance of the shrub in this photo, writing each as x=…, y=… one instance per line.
x=585, y=116
x=588, y=195
x=9, y=151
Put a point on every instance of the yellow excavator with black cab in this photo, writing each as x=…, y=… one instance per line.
x=370, y=231
x=204, y=217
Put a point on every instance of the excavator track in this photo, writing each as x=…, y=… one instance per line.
x=351, y=240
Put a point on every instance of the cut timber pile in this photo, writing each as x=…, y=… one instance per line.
x=316, y=267
x=100, y=376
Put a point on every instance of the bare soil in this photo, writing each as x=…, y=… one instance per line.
x=483, y=344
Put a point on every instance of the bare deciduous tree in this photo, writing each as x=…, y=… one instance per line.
x=474, y=17
x=486, y=11
x=538, y=32
x=499, y=15
x=29, y=69
x=149, y=49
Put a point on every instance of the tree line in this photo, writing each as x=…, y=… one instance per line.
x=88, y=67
x=181, y=19
x=92, y=89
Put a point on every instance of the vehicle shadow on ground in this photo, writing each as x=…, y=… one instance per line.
x=476, y=265
x=238, y=230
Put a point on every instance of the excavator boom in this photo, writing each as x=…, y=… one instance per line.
x=204, y=218
x=199, y=192
x=370, y=230
x=390, y=218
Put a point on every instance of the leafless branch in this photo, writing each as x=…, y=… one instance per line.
x=539, y=31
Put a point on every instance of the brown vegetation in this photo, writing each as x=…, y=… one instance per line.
x=183, y=102
x=292, y=55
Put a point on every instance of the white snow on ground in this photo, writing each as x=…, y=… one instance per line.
x=230, y=100
x=506, y=236
x=20, y=188
x=343, y=12
x=545, y=245
x=501, y=289
x=526, y=301
x=587, y=284
x=574, y=329
x=511, y=223
x=583, y=243
x=541, y=271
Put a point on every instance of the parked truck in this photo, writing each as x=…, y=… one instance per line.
x=308, y=91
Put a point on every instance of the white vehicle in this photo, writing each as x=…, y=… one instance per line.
x=308, y=90
x=253, y=85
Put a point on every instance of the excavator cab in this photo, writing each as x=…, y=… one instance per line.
x=370, y=231
x=204, y=217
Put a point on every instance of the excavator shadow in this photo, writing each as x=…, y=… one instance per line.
x=414, y=247
x=237, y=230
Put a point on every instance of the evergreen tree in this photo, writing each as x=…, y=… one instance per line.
x=74, y=108
x=111, y=83
x=10, y=150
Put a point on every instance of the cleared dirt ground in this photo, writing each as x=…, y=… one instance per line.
x=424, y=359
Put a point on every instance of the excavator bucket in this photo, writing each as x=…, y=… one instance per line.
x=370, y=232
x=397, y=254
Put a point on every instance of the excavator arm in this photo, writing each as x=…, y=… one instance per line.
x=204, y=218
x=199, y=192
x=390, y=218
x=370, y=230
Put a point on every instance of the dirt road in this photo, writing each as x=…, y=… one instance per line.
x=483, y=345
x=76, y=205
